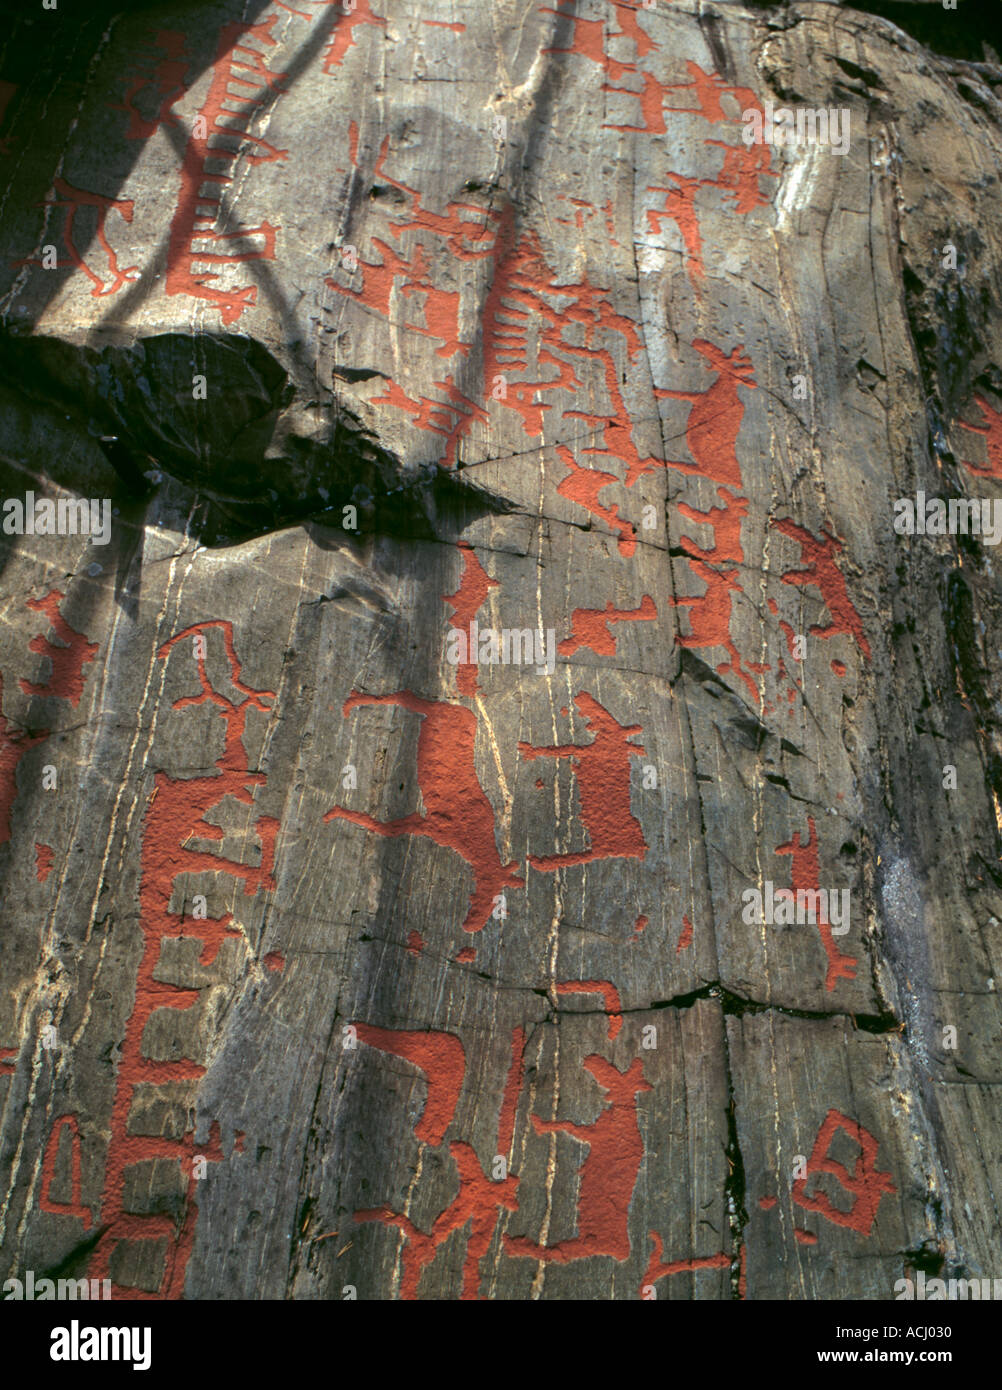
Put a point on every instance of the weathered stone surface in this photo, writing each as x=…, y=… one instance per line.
x=335, y=965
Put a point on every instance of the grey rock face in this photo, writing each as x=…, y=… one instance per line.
x=504, y=609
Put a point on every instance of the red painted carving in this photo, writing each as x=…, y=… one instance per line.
x=43, y=862
x=175, y=823
x=479, y=1199
x=169, y=81
x=865, y=1184
x=710, y=618
x=818, y=555
x=344, y=34
x=466, y=603
x=804, y=873
x=441, y=1057
x=225, y=117
x=8, y=1060
x=478, y=1202
x=992, y=430
x=608, y=1174
x=715, y=417
x=658, y=1269
x=609, y=994
x=72, y=200
x=458, y=814
x=651, y=96
x=14, y=743
x=589, y=36
x=7, y=90
x=592, y=627
x=602, y=768
x=68, y=654
x=582, y=486
x=46, y=1201
x=685, y=940
x=680, y=208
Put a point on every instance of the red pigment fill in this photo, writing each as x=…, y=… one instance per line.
x=725, y=522
x=274, y=960
x=442, y=1059
x=46, y=1201
x=767, y=1203
x=582, y=486
x=169, y=81
x=437, y=417
x=72, y=200
x=608, y=1174
x=175, y=822
x=440, y=308
x=7, y=90
x=651, y=97
x=685, y=940
x=466, y=603
x=805, y=1237
x=592, y=627
x=458, y=814
x=226, y=116
x=865, y=1184
x=43, y=862
x=14, y=743
x=344, y=34
x=628, y=20
x=520, y=302
x=710, y=618
x=588, y=40
x=680, y=208
x=602, y=768
x=743, y=1272
x=817, y=555
x=415, y=943
x=743, y=165
x=638, y=928
x=8, y=1058
x=466, y=955
x=478, y=1201
x=608, y=992
x=711, y=433
x=464, y=231
x=658, y=1269
x=992, y=430
x=839, y=668
x=68, y=654
x=456, y=28
x=804, y=874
